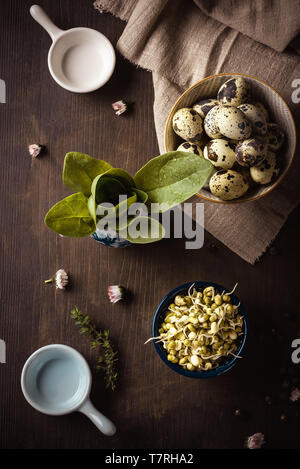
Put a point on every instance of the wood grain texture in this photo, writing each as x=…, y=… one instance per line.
x=152, y=407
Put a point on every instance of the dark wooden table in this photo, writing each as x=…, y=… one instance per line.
x=153, y=407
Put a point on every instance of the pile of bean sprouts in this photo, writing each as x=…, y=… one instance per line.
x=200, y=329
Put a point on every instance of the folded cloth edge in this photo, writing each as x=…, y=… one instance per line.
x=123, y=10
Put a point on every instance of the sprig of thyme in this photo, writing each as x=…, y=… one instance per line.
x=107, y=361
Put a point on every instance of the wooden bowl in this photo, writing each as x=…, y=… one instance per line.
x=261, y=91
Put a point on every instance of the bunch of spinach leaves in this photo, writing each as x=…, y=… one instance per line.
x=166, y=180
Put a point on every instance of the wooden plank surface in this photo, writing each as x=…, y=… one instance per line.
x=152, y=407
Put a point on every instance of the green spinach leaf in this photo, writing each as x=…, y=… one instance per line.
x=117, y=210
x=142, y=196
x=173, y=177
x=71, y=217
x=108, y=189
x=80, y=170
x=122, y=175
x=92, y=207
x=143, y=230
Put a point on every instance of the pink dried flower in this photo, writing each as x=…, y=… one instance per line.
x=116, y=293
x=119, y=107
x=255, y=441
x=295, y=395
x=35, y=149
x=61, y=279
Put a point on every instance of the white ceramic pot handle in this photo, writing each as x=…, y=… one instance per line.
x=102, y=423
x=43, y=19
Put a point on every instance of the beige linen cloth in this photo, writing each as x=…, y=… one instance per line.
x=181, y=43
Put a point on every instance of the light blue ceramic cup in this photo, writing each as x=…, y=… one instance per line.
x=56, y=380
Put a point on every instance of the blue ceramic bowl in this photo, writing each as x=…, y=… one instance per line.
x=160, y=314
x=111, y=239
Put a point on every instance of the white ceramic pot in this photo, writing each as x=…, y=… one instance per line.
x=80, y=59
x=56, y=380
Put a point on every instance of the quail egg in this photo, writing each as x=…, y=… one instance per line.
x=234, y=92
x=251, y=152
x=255, y=117
x=232, y=123
x=262, y=109
x=190, y=147
x=210, y=126
x=188, y=125
x=267, y=171
x=204, y=106
x=228, y=184
x=220, y=153
x=275, y=137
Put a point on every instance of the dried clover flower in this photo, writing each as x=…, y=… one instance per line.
x=119, y=107
x=35, y=149
x=295, y=395
x=255, y=441
x=116, y=293
x=60, y=278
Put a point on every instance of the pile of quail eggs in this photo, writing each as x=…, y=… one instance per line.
x=233, y=132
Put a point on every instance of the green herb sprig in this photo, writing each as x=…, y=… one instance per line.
x=107, y=361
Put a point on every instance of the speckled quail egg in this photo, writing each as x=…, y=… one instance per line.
x=210, y=126
x=228, y=184
x=204, y=106
x=262, y=109
x=190, y=147
x=251, y=152
x=234, y=92
x=267, y=171
x=275, y=137
x=188, y=124
x=220, y=153
x=255, y=117
x=232, y=123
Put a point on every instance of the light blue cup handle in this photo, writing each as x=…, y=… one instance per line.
x=102, y=423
